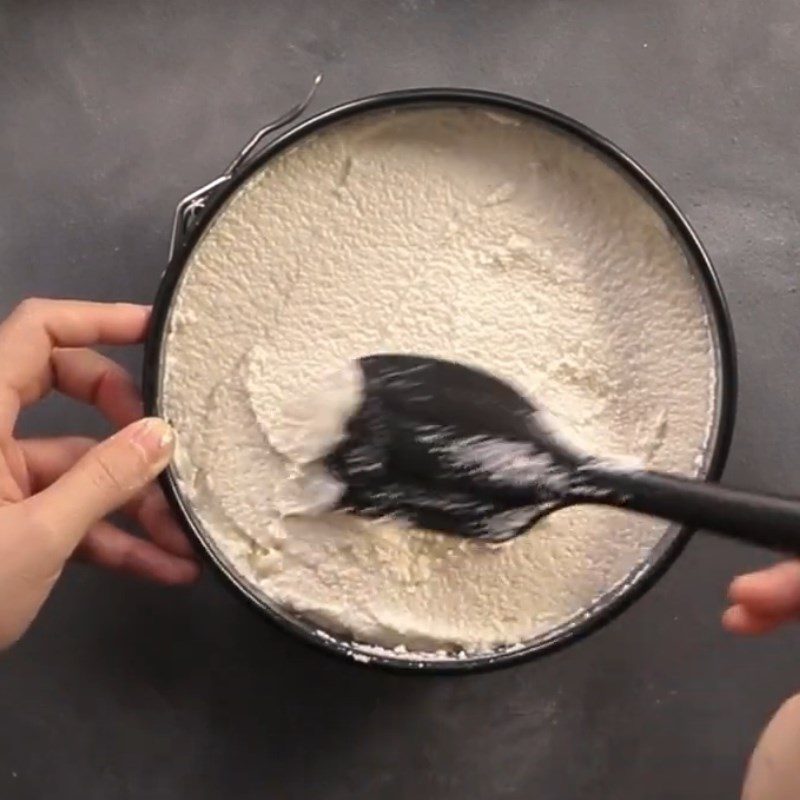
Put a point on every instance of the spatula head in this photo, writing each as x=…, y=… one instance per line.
x=451, y=448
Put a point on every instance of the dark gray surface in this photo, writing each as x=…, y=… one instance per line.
x=110, y=112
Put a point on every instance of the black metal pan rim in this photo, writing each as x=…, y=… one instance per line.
x=672, y=543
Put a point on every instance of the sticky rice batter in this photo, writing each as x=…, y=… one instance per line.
x=454, y=232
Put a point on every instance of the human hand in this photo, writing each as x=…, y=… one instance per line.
x=773, y=773
x=55, y=493
x=762, y=601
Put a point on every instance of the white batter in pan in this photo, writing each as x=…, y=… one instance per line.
x=477, y=236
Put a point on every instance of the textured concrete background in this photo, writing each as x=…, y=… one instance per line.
x=110, y=112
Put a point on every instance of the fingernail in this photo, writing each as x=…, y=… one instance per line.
x=140, y=307
x=154, y=437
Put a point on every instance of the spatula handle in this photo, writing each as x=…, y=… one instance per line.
x=766, y=520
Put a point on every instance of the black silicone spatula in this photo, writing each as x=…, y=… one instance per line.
x=450, y=448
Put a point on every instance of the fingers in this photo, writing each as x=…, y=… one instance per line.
x=151, y=510
x=739, y=619
x=772, y=773
x=48, y=459
x=73, y=323
x=90, y=377
x=36, y=327
x=104, y=479
x=770, y=592
x=763, y=600
x=112, y=548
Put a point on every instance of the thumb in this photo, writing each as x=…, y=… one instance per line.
x=104, y=479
